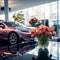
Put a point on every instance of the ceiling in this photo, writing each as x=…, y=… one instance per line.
x=21, y=4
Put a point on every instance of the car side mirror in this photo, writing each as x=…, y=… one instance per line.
x=2, y=26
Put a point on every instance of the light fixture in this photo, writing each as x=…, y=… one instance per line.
x=2, y=9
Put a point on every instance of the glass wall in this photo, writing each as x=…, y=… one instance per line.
x=59, y=12
x=2, y=17
x=45, y=11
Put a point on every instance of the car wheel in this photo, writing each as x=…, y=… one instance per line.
x=13, y=49
x=13, y=38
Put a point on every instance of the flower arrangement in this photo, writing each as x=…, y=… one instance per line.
x=33, y=21
x=43, y=33
x=19, y=17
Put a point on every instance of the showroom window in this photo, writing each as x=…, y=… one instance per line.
x=44, y=11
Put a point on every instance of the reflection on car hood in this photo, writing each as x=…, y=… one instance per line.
x=31, y=27
x=22, y=29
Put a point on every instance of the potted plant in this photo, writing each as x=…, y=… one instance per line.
x=43, y=34
x=33, y=21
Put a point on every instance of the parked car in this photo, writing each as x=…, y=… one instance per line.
x=13, y=32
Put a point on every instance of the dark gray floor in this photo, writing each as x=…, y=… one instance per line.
x=3, y=43
x=23, y=57
x=16, y=57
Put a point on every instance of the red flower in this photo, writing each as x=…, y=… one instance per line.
x=54, y=33
x=43, y=30
x=51, y=29
x=33, y=20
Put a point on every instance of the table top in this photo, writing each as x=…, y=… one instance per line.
x=52, y=50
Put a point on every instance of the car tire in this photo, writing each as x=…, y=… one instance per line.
x=13, y=38
x=13, y=49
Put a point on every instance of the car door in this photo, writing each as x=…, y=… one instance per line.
x=2, y=31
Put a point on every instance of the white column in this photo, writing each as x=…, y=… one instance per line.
x=58, y=29
x=6, y=9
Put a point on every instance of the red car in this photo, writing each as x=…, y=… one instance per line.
x=13, y=32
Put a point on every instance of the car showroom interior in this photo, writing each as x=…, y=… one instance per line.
x=29, y=29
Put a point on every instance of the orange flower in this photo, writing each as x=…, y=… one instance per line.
x=47, y=33
x=33, y=35
x=51, y=29
x=32, y=31
x=54, y=33
x=43, y=30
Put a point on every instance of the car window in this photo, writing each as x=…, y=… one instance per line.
x=1, y=25
x=14, y=24
x=9, y=24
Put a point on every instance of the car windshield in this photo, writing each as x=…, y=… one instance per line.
x=18, y=25
x=13, y=24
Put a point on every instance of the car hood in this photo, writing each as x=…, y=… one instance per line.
x=22, y=29
x=19, y=29
x=30, y=28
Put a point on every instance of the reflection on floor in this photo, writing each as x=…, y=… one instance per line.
x=24, y=51
x=3, y=43
x=17, y=51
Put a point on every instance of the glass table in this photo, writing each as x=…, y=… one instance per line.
x=53, y=49
x=27, y=51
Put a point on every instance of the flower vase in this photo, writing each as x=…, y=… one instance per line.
x=33, y=25
x=43, y=41
x=43, y=54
